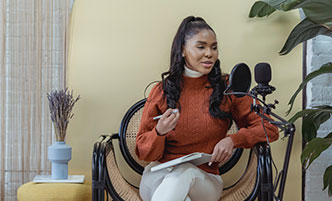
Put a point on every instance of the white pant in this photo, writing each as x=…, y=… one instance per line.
x=185, y=182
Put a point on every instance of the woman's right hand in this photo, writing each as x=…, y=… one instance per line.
x=168, y=121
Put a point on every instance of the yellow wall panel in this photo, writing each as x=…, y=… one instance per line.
x=118, y=47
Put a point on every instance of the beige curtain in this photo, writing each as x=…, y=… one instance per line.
x=33, y=58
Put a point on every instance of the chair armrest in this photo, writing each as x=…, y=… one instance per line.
x=116, y=185
x=231, y=162
x=95, y=154
x=106, y=174
x=98, y=166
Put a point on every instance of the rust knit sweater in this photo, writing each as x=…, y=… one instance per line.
x=196, y=129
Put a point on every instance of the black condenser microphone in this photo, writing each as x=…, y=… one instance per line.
x=263, y=77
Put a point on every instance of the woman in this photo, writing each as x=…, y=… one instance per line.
x=194, y=87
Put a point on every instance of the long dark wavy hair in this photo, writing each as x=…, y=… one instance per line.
x=172, y=79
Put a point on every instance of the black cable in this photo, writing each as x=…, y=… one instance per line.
x=245, y=94
x=274, y=165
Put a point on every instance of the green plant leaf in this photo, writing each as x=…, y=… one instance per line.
x=265, y=7
x=292, y=4
x=314, y=148
x=275, y=3
x=318, y=11
x=326, y=108
x=303, y=31
x=326, y=68
x=312, y=122
x=261, y=9
x=316, y=109
x=309, y=129
x=300, y=114
x=328, y=179
x=321, y=118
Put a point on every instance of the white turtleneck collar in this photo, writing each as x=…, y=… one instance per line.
x=191, y=73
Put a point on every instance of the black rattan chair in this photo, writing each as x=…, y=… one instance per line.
x=108, y=181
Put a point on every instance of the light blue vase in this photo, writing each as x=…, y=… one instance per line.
x=59, y=154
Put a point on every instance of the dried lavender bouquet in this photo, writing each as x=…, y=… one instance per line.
x=61, y=103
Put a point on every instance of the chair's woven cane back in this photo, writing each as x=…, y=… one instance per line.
x=241, y=190
x=123, y=189
x=131, y=133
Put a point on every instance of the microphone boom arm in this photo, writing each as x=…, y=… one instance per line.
x=289, y=130
x=239, y=84
x=287, y=127
x=284, y=125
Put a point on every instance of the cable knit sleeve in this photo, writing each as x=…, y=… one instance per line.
x=149, y=145
x=251, y=129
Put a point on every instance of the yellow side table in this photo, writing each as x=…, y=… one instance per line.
x=54, y=192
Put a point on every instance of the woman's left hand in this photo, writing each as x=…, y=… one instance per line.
x=222, y=151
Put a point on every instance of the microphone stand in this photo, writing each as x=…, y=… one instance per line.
x=289, y=130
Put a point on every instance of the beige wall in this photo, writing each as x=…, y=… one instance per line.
x=118, y=47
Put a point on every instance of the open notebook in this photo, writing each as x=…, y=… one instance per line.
x=195, y=158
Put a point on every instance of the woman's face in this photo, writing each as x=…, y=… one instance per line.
x=201, y=52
